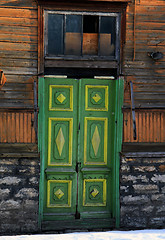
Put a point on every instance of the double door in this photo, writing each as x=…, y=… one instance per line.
x=77, y=127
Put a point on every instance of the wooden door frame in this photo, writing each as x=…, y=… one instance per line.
x=117, y=144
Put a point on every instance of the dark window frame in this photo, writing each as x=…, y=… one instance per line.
x=98, y=6
x=84, y=57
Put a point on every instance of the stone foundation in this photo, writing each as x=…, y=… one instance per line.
x=19, y=181
x=142, y=190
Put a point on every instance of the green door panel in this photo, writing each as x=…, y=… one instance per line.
x=60, y=182
x=77, y=136
x=97, y=124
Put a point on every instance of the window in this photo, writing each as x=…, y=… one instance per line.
x=82, y=35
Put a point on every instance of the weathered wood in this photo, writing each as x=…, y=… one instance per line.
x=17, y=127
x=18, y=150
x=143, y=149
x=18, y=3
x=80, y=64
x=149, y=125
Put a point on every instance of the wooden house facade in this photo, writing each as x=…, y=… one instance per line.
x=82, y=115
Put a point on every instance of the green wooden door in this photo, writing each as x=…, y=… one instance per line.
x=77, y=144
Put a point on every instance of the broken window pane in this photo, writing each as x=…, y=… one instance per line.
x=90, y=35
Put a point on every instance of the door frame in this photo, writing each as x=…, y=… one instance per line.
x=117, y=144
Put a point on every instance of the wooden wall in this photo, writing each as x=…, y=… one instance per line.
x=18, y=52
x=17, y=127
x=148, y=75
x=150, y=126
x=145, y=33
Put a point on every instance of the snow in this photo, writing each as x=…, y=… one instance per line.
x=112, y=235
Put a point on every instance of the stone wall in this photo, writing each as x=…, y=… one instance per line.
x=142, y=190
x=19, y=181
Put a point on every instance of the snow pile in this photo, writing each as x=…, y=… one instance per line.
x=112, y=235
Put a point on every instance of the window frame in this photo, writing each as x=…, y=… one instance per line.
x=83, y=57
x=98, y=6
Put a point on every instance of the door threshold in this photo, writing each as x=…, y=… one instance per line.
x=78, y=224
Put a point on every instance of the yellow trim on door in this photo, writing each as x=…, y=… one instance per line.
x=49, y=205
x=87, y=108
x=105, y=120
x=50, y=98
x=104, y=192
x=70, y=120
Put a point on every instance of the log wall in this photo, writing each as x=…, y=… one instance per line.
x=18, y=51
x=145, y=33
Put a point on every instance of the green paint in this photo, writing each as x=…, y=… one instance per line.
x=77, y=124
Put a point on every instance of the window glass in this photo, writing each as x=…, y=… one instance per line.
x=73, y=34
x=55, y=34
x=81, y=35
x=107, y=36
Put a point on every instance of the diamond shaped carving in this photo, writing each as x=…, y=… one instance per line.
x=95, y=192
x=59, y=193
x=61, y=98
x=96, y=97
x=96, y=140
x=60, y=141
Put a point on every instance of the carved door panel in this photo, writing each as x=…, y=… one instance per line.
x=97, y=118
x=79, y=118
x=61, y=149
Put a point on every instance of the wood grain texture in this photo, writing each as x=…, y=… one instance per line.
x=17, y=127
x=149, y=126
x=146, y=74
x=18, y=51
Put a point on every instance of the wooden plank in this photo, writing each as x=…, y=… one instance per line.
x=29, y=132
x=25, y=125
x=18, y=46
x=13, y=127
x=18, y=54
x=19, y=3
x=11, y=37
x=27, y=63
x=18, y=13
x=20, y=79
x=149, y=125
x=17, y=140
x=33, y=131
x=18, y=87
x=16, y=95
x=21, y=127
x=21, y=30
x=1, y=127
x=18, y=21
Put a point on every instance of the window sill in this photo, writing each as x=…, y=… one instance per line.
x=53, y=62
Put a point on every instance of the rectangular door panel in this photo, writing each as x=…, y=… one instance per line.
x=61, y=149
x=97, y=124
